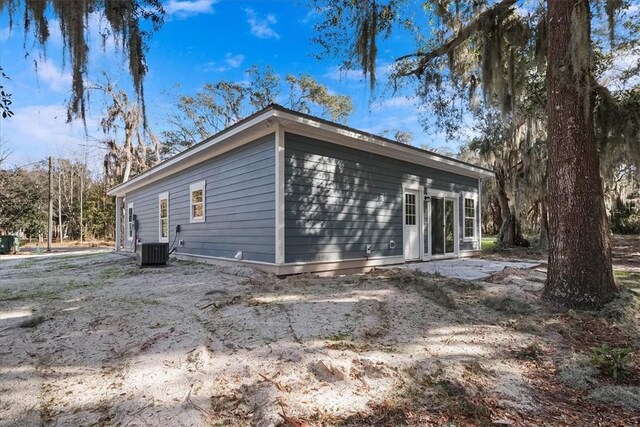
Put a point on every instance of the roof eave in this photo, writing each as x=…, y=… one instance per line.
x=386, y=147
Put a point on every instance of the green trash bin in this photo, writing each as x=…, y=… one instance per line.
x=7, y=244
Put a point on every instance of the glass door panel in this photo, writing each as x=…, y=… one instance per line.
x=437, y=226
x=449, y=226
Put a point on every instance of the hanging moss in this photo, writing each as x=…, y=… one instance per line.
x=580, y=43
x=124, y=19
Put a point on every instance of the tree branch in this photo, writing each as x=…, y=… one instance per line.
x=501, y=10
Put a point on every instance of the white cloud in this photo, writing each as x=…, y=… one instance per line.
x=313, y=14
x=186, y=8
x=341, y=74
x=5, y=33
x=233, y=61
x=408, y=102
x=46, y=132
x=230, y=61
x=56, y=79
x=623, y=61
x=338, y=73
x=261, y=27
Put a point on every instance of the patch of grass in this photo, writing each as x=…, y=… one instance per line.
x=507, y=305
x=425, y=285
x=148, y=301
x=340, y=336
x=462, y=285
x=64, y=265
x=26, y=295
x=29, y=263
x=629, y=279
x=532, y=351
x=578, y=373
x=626, y=397
x=73, y=284
x=489, y=243
x=110, y=273
x=626, y=307
x=456, y=401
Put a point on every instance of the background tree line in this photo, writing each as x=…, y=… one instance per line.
x=82, y=209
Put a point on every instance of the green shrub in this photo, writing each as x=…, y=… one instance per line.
x=611, y=361
x=625, y=220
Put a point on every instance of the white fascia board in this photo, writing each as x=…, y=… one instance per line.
x=195, y=155
x=372, y=144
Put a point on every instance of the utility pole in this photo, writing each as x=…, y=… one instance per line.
x=50, y=222
x=59, y=203
x=81, y=202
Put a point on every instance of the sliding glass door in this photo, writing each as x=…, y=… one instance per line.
x=443, y=226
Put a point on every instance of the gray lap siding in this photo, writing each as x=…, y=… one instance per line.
x=339, y=199
x=239, y=205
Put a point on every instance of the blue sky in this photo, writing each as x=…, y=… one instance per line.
x=201, y=41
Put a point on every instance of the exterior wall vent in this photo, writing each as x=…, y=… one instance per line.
x=152, y=254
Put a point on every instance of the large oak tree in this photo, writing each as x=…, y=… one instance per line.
x=466, y=47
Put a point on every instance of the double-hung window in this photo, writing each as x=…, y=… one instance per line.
x=130, y=221
x=163, y=220
x=197, y=201
x=470, y=209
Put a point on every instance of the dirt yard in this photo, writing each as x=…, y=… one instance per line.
x=95, y=340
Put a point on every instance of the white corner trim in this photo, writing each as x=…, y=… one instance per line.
x=118, y=224
x=161, y=197
x=280, y=190
x=200, y=185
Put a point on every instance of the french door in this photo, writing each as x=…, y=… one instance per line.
x=411, y=225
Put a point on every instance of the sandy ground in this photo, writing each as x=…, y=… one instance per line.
x=95, y=340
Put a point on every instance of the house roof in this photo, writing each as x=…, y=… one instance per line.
x=254, y=125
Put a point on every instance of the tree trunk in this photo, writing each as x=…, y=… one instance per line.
x=544, y=225
x=509, y=234
x=580, y=273
x=128, y=148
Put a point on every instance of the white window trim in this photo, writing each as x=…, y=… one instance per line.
x=194, y=187
x=161, y=197
x=130, y=232
x=474, y=197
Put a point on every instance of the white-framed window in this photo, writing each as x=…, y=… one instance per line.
x=163, y=216
x=130, y=221
x=197, y=201
x=470, y=207
x=410, y=214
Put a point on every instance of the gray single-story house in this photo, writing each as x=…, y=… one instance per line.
x=288, y=193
